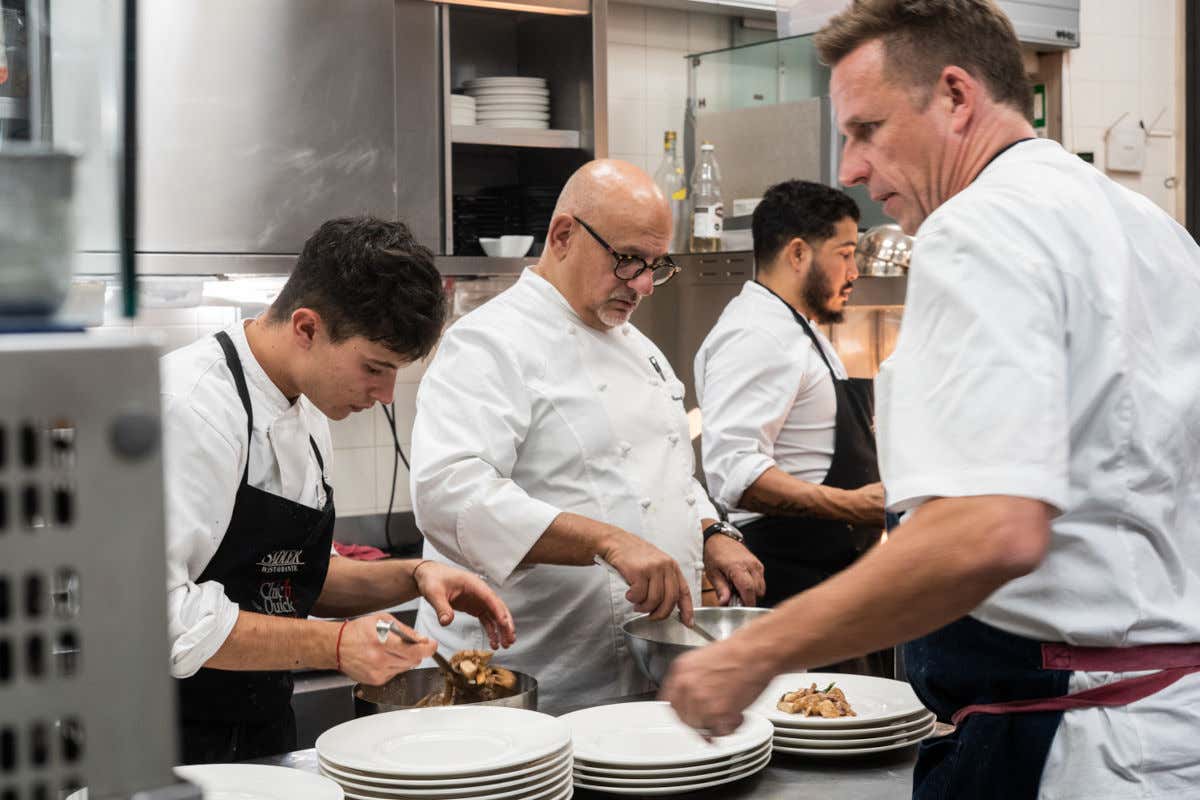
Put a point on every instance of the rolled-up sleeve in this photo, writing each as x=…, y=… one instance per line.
x=747, y=385
x=474, y=411
x=202, y=477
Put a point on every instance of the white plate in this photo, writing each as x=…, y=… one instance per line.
x=452, y=741
x=526, y=785
x=649, y=791
x=507, y=91
x=505, y=80
x=907, y=723
x=512, y=108
x=485, y=104
x=862, y=735
x=588, y=771
x=553, y=792
x=258, y=782
x=843, y=752
x=531, y=125
x=842, y=744
x=874, y=700
x=527, y=772
x=638, y=779
x=507, y=114
x=649, y=734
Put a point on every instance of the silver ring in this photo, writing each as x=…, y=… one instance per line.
x=381, y=630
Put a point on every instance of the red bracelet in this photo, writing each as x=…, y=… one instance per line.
x=338, y=647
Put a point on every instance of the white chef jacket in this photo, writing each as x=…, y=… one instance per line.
x=1049, y=350
x=204, y=452
x=766, y=398
x=526, y=412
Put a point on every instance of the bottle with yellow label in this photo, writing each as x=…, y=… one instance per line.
x=669, y=178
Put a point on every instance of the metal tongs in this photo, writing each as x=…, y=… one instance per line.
x=383, y=628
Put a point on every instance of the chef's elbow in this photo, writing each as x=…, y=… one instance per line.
x=1018, y=536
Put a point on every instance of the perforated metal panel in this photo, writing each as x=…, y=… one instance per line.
x=85, y=694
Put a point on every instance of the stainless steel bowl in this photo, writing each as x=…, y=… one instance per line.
x=406, y=690
x=656, y=643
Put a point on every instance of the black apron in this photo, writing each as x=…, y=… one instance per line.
x=799, y=552
x=988, y=756
x=273, y=560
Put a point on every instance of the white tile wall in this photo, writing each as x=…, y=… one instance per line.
x=647, y=74
x=1126, y=64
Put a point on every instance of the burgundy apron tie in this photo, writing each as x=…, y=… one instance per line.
x=1173, y=661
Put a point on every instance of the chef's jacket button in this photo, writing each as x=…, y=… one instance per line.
x=602, y=387
x=624, y=447
x=625, y=330
x=645, y=502
x=654, y=381
x=571, y=331
x=691, y=500
x=673, y=438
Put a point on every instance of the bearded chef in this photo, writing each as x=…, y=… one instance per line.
x=1037, y=422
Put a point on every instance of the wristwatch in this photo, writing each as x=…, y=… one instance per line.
x=724, y=529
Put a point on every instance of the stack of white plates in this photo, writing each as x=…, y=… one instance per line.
x=643, y=749
x=888, y=716
x=462, y=109
x=483, y=752
x=510, y=102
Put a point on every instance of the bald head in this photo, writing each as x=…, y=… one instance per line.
x=607, y=193
x=622, y=206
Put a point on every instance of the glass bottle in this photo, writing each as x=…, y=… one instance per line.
x=708, y=211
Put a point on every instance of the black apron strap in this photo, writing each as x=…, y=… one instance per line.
x=807, y=329
x=239, y=378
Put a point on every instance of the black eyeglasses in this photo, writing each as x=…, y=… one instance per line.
x=629, y=267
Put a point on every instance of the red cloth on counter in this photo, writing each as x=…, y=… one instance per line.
x=359, y=552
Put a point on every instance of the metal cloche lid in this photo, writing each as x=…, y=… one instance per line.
x=884, y=250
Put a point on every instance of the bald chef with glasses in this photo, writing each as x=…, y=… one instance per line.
x=551, y=433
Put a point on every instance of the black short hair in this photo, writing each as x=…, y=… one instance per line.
x=368, y=277
x=802, y=209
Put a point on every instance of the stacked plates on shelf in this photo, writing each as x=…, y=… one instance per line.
x=489, y=753
x=643, y=749
x=888, y=716
x=510, y=102
x=462, y=109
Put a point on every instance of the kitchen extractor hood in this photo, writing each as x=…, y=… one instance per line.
x=1041, y=24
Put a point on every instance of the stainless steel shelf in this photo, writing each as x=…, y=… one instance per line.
x=514, y=137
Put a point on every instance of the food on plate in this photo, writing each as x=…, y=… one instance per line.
x=483, y=681
x=829, y=702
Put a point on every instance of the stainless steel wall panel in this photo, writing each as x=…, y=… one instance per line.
x=260, y=120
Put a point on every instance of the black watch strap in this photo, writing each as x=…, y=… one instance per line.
x=722, y=528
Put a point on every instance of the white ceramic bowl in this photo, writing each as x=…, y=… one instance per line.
x=506, y=246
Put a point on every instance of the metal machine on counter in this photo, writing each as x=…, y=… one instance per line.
x=86, y=698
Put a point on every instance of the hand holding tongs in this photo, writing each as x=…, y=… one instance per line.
x=383, y=628
x=693, y=627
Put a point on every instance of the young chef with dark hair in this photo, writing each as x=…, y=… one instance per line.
x=1039, y=422
x=250, y=511
x=787, y=437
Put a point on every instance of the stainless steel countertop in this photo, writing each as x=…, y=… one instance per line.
x=887, y=776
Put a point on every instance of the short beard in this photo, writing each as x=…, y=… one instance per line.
x=818, y=292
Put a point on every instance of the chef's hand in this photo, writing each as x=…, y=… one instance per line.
x=868, y=505
x=448, y=589
x=709, y=687
x=656, y=583
x=730, y=566
x=365, y=659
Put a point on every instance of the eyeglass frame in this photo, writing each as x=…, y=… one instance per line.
x=664, y=261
